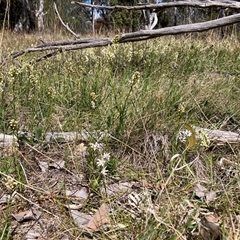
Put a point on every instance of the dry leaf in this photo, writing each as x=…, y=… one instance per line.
x=7, y=140
x=74, y=206
x=209, y=228
x=58, y=164
x=230, y=167
x=238, y=218
x=224, y=163
x=82, y=193
x=210, y=196
x=118, y=188
x=5, y=198
x=32, y=214
x=80, y=219
x=32, y=235
x=8, y=144
x=202, y=193
x=80, y=150
x=100, y=218
x=43, y=166
x=118, y=226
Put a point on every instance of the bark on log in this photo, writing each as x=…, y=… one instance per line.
x=219, y=137
x=197, y=4
x=8, y=143
x=128, y=37
x=196, y=27
x=67, y=136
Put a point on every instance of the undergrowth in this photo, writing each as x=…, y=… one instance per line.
x=130, y=92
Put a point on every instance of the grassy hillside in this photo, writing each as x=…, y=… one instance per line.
x=134, y=99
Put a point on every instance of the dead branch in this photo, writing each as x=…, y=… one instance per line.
x=47, y=55
x=62, y=47
x=77, y=44
x=187, y=3
x=196, y=27
x=71, y=42
x=65, y=25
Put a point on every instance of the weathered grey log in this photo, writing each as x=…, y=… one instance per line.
x=188, y=28
x=215, y=136
x=67, y=136
x=218, y=136
x=197, y=4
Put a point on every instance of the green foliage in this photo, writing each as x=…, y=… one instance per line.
x=11, y=11
x=5, y=231
x=125, y=20
x=127, y=92
x=93, y=82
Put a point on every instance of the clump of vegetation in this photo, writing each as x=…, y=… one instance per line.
x=145, y=98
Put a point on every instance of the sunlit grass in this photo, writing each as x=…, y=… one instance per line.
x=130, y=91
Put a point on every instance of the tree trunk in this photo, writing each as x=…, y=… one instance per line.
x=150, y=17
x=26, y=16
x=39, y=15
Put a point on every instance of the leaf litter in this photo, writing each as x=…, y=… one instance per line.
x=127, y=195
x=204, y=194
x=31, y=214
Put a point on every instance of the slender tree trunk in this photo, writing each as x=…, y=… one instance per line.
x=39, y=15
x=175, y=16
x=26, y=16
x=150, y=18
x=93, y=18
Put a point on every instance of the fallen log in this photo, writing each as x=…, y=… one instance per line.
x=9, y=142
x=163, y=5
x=124, y=38
x=218, y=137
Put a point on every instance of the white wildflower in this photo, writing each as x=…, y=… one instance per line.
x=101, y=162
x=104, y=172
x=106, y=156
x=96, y=146
x=184, y=135
x=93, y=104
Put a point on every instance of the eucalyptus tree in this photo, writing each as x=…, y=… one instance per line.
x=125, y=20
x=17, y=14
